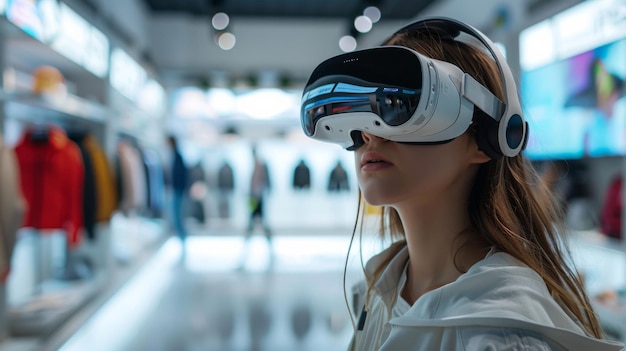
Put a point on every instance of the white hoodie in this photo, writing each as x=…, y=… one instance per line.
x=498, y=304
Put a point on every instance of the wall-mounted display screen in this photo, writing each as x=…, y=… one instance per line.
x=576, y=106
x=573, y=68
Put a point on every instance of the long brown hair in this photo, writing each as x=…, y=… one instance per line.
x=510, y=204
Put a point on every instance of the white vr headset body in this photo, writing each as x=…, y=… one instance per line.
x=432, y=103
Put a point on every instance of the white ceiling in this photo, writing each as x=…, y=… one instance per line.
x=184, y=45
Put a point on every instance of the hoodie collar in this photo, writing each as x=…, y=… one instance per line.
x=387, y=284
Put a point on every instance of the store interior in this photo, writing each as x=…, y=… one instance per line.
x=92, y=89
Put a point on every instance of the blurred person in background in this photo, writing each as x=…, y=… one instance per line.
x=259, y=187
x=179, y=182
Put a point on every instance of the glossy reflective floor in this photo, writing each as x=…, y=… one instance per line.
x=220, y=293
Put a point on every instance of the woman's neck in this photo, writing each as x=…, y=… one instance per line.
x=441, y=248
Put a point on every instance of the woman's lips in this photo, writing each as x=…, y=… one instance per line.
x=375, y=166
x=372, y=161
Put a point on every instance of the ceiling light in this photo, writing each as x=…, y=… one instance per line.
x=363, y=24
x=347, y=43
x=373, y=13
x=226, y=40
x=220, y=21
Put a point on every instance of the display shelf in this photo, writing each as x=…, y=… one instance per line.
x=122, y=275
x=58, y=302
x=44, y=314
x=85, y=94
x=67, y=105
x=27, y=53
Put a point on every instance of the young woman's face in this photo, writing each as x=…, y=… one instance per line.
x=391, y=173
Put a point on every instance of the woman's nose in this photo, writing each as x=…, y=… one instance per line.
x=370, y=138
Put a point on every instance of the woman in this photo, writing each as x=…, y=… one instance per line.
x=478, y=263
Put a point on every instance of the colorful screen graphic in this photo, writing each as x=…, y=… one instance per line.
x=576, y=107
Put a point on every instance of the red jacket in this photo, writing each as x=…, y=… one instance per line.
x=51, y=175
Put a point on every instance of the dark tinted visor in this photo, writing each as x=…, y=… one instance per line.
x=386, y=81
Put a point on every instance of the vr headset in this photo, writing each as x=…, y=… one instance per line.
x=401, y=95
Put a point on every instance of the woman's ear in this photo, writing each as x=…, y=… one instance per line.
x=480, y=156
x=477, y=156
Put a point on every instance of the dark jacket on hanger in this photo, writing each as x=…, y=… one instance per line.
x=51, y=177
x=302, y=176
x=225, y=177
x=338, y=180
x=155, y=182
x=89, y=186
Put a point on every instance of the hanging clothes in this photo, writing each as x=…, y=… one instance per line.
x=103, y=175
x=338, y=180
x=132, y=177
x=611, y=213
x=12, y=207
x=51, y=178
x=197, y=193
x=225, y=177
x=89, y=185
x=225, y=188
x=155, y=183
x=302, y=176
